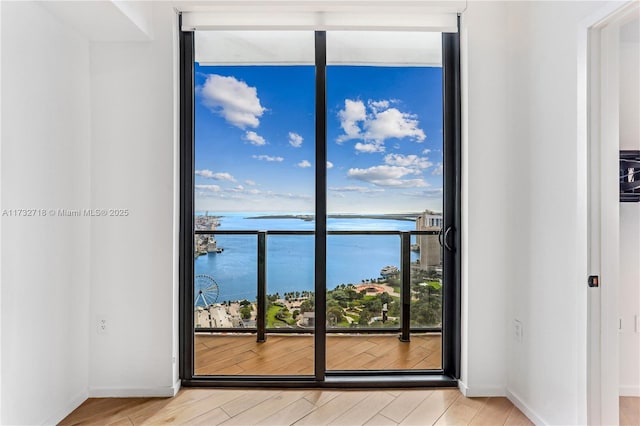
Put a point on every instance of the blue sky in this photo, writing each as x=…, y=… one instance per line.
x=254, y=139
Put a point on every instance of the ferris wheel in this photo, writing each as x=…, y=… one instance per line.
x=205, y=290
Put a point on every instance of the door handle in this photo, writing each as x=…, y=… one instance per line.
x=446, y=238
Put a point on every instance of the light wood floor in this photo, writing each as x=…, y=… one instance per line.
x=301, y=407
x=629, y=411
x=289, y=354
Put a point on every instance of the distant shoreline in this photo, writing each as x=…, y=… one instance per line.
x=409, y=217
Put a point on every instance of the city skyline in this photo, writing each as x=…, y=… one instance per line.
x=254, y=139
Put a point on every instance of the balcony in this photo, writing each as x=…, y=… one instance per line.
x=393, y=322
x=292, y=354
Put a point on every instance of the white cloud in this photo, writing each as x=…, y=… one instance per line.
x=386, y=175
x=267, y=158
x=295, y=140
x=380, y=123
x=402, y=183
x=427, y=193
x=392, y=123
x=329, y=165
x=350, y=116
x=369, y=147
x=250, y=182
x=378, y=105
x=411, y=161
x=437, y=171
x=379, y=172
x=361, y=189
x=204, y=173
x=239, y=192
x=209, y=188
x=435, y=192
x=233, y=99
x=304, y=164
x=426, y=151
x=254, y=138
x=208, y=174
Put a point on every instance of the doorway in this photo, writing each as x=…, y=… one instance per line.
x=614, y=371
x=320, y=204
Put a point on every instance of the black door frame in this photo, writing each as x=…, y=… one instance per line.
x=450, y=372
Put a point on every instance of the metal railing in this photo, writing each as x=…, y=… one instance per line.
x=261, y=329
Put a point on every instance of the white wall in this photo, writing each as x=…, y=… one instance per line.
x=629, y=290
x=486, y=232
x=0, y=219
x=45, y=261
x=547, y=291
x=629, y=299
x=629, y=85
x=56, y=155
x=132, y=258
x=519, y=249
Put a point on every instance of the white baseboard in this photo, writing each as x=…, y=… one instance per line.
x=480, y=390
x=526, y=410
x=68, y=408
x=166, y=392
x=629, y=390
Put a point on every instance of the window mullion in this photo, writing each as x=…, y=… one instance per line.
x=321, y=205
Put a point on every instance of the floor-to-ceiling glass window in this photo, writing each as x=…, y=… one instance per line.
x=254, y=202
x=270, y=119
x=385, y=185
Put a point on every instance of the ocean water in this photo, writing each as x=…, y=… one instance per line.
x=290, y=258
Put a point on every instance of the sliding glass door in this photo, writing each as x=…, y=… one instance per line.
x=385, y=200
x=254, y=203
x=319, y=219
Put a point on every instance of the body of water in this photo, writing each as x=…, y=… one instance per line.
x=290, y=258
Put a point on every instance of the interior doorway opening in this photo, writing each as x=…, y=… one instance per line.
x=614, y=343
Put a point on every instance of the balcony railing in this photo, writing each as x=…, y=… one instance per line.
x=261, y=329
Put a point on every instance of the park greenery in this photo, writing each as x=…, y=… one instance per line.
x=347, y=307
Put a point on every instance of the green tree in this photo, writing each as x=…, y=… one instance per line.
x=364, y=318
x=394, y=309
x=339, y=296
x=307, y=306
x=374, y=306
x=335, y=314
x=245, y=312
x=351, y=293
x=386, y=298
x=427, y=310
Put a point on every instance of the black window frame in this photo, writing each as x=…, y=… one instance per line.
x=449, y=374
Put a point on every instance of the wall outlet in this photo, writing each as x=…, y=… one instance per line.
x=517, y=330
x=101, y=326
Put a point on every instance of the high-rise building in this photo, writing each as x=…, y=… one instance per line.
x=430, y=250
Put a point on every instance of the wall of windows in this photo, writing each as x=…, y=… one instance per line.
x=315, y=172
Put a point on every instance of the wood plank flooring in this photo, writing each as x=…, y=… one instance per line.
x=629, y=411
x=286, y=354
x=300, y=407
